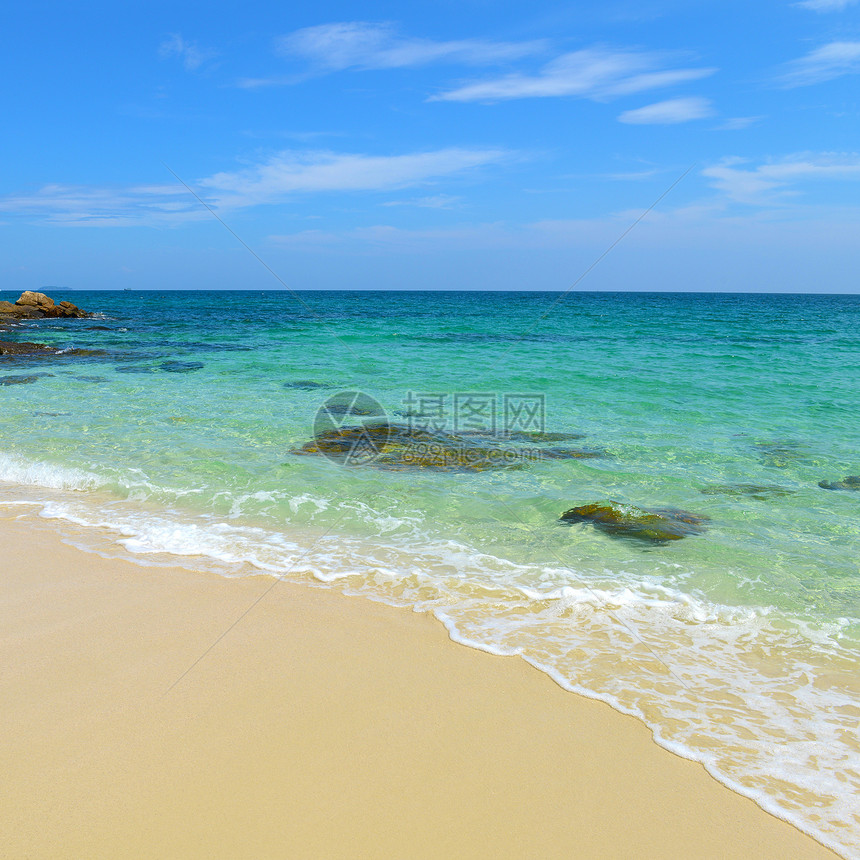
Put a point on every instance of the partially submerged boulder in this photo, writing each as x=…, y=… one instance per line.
x=627, y=521
x=852, y=482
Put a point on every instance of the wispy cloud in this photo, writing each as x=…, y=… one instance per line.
x=738, y=123
x=361, y=45
x=271, y=181
x=771, y=183
x=594, y=73
x=105, y=207
x=435, y=201
x=826, y=5
x=670, y=112
x=190, y=53
x=823, y=64
x=307, y=172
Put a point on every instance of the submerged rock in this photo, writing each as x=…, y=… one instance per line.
x=401, y=447
x=780, y=453
x=37, y=349
x=181, y=366
x=305, y=385
x=538, y=436
x=133, y=368
x=22, y=380
x=627, y=521
x=852, y=482
x=755, y=491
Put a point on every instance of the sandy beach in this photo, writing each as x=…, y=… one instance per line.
x=318, y=726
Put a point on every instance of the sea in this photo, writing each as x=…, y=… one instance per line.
x=189, y=426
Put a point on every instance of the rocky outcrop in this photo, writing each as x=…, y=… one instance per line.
x=33, y=305
x=627, y=521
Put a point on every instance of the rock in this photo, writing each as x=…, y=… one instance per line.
x=38, y=349
x=400, y=447
x=305, y=385
x=780, y=453
x=37, y=305
x=852, y=482
x=20, y=380
x=755, y=491
x=38, y=300
x=181, y=366
x=14, y=312
x=627, y=521
x=537, y=436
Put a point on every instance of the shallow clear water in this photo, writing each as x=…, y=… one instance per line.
x=740, y=647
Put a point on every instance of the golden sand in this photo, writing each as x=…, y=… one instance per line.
x=319, y=726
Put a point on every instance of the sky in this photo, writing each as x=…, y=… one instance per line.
x=681, y=145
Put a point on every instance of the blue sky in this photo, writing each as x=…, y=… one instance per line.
x=443, y=145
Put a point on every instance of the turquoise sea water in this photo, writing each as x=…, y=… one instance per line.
x=740, y=647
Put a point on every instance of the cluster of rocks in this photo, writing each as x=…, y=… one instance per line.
x=852, y=482
x=401, y=447
x=39, y=306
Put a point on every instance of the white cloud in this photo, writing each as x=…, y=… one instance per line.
x=826, y=5
x=770, y=183
x=738, y=123
x=595, y=73
x=271, y=181
x=192, y=56
x=105, y=207
x=435, y=201
x=669, y=112
x=307, y=172
x=829, y=61
x=363, y=45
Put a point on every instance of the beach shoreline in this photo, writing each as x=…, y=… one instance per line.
x=172, y=712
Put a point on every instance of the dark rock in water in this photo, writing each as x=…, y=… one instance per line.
x=755, y=491
x=36, y=349
x=22, y=380
x=181, y=366
x=305, y=385
x=852, y=482
x=400, y=447
x=84, y=353
x=364, y=407
x=627, y=521
x=538, y=436
x=780, y=453
x=568, y=454
x=133, y=368
x=94, y=379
